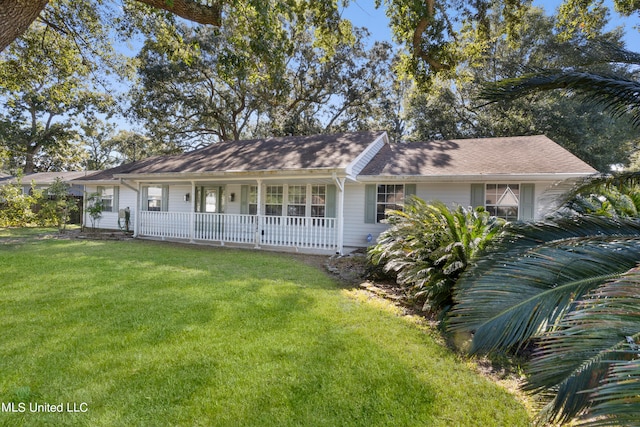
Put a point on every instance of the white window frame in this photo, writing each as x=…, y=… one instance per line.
x=318, y=201
x=497, y=200
x=274, y=197
x=386, y=200
x=162, y=198
x=112, y=198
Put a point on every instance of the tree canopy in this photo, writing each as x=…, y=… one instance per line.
x=453, y=108
x=246, y=68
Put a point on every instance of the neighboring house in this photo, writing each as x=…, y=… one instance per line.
x=325, y=193
x=43, y=180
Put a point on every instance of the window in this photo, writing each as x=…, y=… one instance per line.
x=274, y=200
x=389, y=196
x=318, y=201
x=381, y=197
x=155, y=198
x=108, y=198
x=297, y=200
x=253, y=200
x=503, y=200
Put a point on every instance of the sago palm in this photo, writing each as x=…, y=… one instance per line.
x=539, y=284
x=429, y=245
x=591, y=359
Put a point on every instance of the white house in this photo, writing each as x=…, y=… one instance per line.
x=324, y=193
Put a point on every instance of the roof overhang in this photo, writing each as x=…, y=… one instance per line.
x=231, y=176
x=472, y=177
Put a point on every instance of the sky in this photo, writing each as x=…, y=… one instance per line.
x=363, y=13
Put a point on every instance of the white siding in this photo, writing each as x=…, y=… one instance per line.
x=367, y=155
x=177, y=195
x=233, y=207
x=356, y=230
x=109, y=220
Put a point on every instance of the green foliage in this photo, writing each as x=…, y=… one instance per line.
x=429, y=246
x=57, y=207
x=592, y=357
x=94, y=208
x=16, y=207
x=568, y=286
x=612, y=196
x=452, y=109
x=226, y=92
x=430, y=30
x=42, y=93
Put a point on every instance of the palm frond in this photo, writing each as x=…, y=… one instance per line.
x=617, y=399
x=517, y=238
x=515, y=294
x=585, y=359
x=603, y=52
x=618, y=95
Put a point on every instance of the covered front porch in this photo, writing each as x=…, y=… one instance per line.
x=293, y=213
x=292, y=232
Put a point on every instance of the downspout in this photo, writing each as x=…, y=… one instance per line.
x=340, y=213
x=137, y=208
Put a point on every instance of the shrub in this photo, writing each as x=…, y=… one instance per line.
x=17, y=208
x=429, y=245
x=57, y=209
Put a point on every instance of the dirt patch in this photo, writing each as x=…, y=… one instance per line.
x=104, y=235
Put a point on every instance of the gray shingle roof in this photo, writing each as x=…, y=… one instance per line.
x=482, y=156
x=284, y=153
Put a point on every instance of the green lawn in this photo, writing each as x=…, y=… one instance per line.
x=139, y=333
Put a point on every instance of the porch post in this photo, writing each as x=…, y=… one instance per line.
x=136, y=223
x=340, y=214
x=192, y=214
x=257, y=236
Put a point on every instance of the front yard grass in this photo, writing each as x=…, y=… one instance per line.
x=139, y=333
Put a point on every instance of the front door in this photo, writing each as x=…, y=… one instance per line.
x=210, y=199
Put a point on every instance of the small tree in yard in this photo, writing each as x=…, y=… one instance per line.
x=429, y=246
x=95, y=208
x=58, y=208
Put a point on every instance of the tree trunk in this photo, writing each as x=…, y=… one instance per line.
x=15, y=18
x=17, y=15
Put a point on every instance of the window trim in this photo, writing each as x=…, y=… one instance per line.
x=164, y=198
x=113, y=198
x=326, y=192
x=372, y=196
x=526, y=197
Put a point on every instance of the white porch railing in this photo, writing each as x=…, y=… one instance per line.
x=298, y=232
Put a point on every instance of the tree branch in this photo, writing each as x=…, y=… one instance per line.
x=418, y=51
x=200, y=11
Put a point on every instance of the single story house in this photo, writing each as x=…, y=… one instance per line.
x=324, y=193
x=42, y=180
